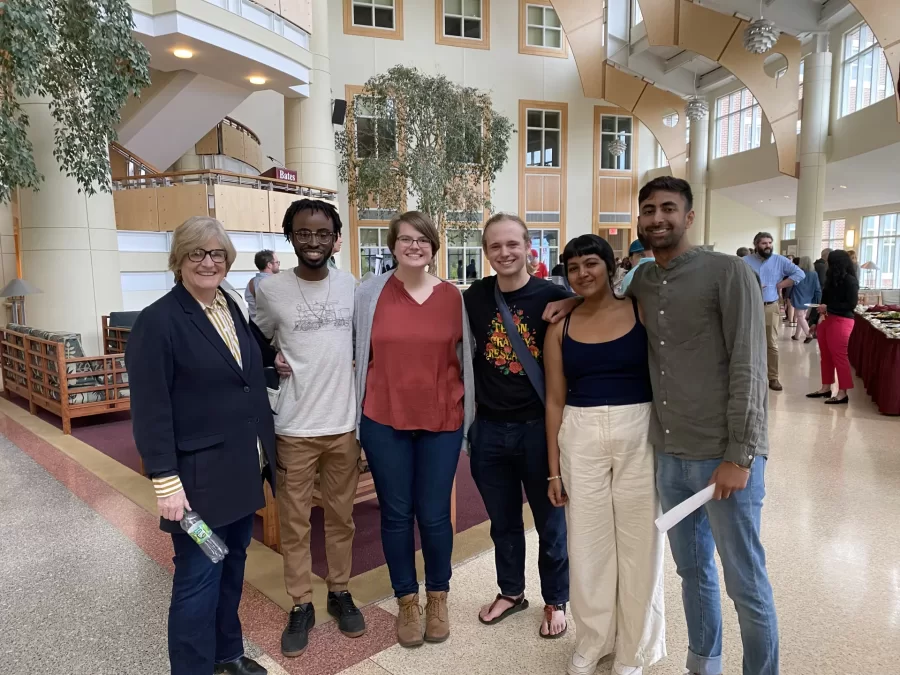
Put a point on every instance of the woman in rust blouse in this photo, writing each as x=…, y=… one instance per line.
x=415, y=403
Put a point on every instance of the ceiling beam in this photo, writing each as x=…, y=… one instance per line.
x=713, y=79
x=832, y=9
x=679, y=60
x=639, y=46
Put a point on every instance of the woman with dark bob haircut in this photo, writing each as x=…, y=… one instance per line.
x=598, y=422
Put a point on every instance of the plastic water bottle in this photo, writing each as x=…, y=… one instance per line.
x=200, y=532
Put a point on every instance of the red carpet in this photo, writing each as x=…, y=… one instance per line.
x=111, y=435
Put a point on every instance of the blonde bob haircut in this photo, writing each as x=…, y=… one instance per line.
x=193, y=234
x=421, y=223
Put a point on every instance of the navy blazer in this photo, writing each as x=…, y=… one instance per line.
x=196, y=412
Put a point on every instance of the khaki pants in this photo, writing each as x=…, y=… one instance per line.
x=336, y=459
x=773, y=329
x=615, y=550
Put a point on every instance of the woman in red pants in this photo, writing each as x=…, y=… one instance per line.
x=839, y=298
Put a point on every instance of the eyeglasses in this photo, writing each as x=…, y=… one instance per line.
x=306, y=236
x=217, y=255
x=408, y=241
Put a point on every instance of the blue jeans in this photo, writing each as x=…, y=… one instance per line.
x=204, y=628
x=413, y=473
x=505, y=457
x=732, y=527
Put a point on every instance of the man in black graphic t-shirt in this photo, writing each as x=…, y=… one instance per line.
x=508, y=439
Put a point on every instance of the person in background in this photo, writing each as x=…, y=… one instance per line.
x=855, y=262
x=471, y=270
x=268, y=264
x=821, y=267
x=540, y=268
x=203, y=426
x=743, y=252
x=459, y=270
x=307, y=314
x=790, y=315
x=839, y=298
x=807, y=292
x=507, y=438
x=338, y=243
x=775, y=273
x=602, y=468
x=415, y=403
x=639, y=253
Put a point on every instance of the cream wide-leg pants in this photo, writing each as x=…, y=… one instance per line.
x=615, y=550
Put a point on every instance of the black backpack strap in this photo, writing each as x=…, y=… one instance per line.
x=529, y=363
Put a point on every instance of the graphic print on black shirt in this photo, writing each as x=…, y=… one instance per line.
x=503, y=391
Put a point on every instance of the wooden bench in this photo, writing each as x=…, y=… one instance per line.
x=50, y=371
x=114, y=337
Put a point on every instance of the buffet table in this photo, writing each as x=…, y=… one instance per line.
x=874, y=352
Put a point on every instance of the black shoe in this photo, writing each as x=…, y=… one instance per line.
x=808, y=340
x=837, y=401
x=819, y=394
x=295, y=638
x=794, y=337
x=350, y=620
x=775, y=385
x=243, y=666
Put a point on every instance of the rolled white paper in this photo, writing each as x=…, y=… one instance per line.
x=676, y=514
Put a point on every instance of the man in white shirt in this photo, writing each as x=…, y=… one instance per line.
x=308, y=313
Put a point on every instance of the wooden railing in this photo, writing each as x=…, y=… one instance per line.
x=220, y=177
x=124, y=163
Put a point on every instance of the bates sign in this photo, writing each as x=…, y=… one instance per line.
x=281, y=173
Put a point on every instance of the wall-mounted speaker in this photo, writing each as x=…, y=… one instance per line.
x=338, y=111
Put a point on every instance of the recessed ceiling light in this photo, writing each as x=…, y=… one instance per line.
x=256, y=79
x=787, y=196
x=183, y=53
x=843, y=187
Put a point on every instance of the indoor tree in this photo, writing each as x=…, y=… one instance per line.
x=412, y=134
x=82, y=57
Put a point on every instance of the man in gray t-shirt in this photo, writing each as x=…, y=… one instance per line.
x=308, y=314
x=704, y=317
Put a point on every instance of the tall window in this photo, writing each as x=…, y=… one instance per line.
x=738, y=123
x=374, y=253
x=878, y=251
x=464, y=256
x=612, y=128
x=790, y=231
x=865, y=75
x=374, y=14
x=545, y=243
x=543, y=140
x=374, y=135
x=543, y=28
x=636, y=14
x=462, y=19
x=833, y=234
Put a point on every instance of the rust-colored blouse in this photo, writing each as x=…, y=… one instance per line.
x=414, y=380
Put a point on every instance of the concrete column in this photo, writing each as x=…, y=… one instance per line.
x=813, y=140
x=69, y=245
x=308, y=131
x=697, y=170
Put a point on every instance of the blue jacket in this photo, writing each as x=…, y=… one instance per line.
x=807, y=291
x=196, y=412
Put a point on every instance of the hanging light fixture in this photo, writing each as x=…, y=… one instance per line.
x=761, y=35
x=618, y=147
x=696, y=107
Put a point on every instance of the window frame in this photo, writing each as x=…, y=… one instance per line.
x=789, y=234
x=877, y=249
x=561, y=52
x=354, y=117
x=544, y=129
x=532, y=231
x=617, y=133
x=475, y=251
x=847, y=62
x=831, y=241
x=755, y=113
x=350, y=28
x=440, y=38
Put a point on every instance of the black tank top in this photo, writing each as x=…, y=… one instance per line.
x=607, y=373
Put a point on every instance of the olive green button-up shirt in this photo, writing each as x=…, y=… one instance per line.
x=706, y=331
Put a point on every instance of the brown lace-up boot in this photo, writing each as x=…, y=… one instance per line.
x=409, y=621
x=437, y=619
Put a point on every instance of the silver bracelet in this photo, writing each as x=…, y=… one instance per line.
x=554, y=478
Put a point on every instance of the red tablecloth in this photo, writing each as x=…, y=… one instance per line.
x=876, y=359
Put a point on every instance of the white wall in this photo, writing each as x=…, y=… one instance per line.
x=263, y=113
x=732, y=225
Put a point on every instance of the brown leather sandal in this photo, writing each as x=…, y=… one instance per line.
x=519, y=604
x=548, y=617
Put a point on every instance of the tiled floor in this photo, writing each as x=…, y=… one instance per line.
x=84, y=579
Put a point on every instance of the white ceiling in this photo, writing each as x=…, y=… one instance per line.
x=869, y=179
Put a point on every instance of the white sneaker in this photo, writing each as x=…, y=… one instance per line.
x=579, y=665
x=620, y=669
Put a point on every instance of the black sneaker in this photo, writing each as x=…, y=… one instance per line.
x=295, y=638
x=350, y=620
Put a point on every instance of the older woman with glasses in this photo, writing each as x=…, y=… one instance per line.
x=203, y=427
x=415, y=393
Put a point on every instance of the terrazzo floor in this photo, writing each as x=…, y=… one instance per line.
x=85, y=577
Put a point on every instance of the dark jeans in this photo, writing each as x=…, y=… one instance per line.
x=204, y=627
x=505, y=457
x=413, y=473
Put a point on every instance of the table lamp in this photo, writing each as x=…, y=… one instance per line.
x=16, y=290
x=868, y=267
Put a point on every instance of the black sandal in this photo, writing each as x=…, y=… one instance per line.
x=548, y=617
x=519, y=604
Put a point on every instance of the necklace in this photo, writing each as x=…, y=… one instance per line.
x=308, y=306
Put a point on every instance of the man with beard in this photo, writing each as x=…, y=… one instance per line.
x=775, y=273
x=307, y=313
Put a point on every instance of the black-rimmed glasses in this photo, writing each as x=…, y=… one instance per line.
x=217, y=255
x=306, y=236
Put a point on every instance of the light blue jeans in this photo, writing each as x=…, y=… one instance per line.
x=732, y=527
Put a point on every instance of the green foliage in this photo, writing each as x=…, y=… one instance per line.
x=81, y=55
x=425, y=136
